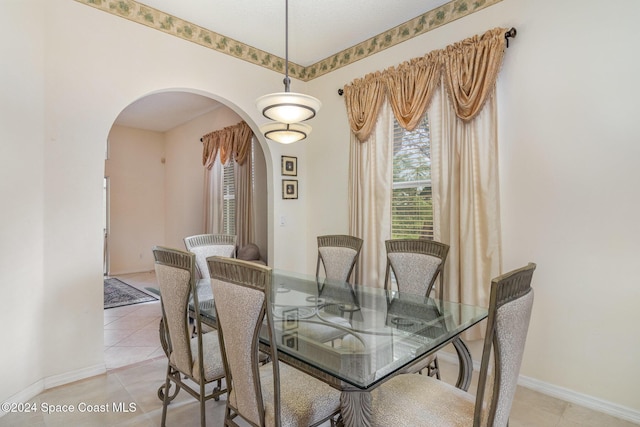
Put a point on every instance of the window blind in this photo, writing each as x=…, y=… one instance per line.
x=229, y=199
x=411, y=202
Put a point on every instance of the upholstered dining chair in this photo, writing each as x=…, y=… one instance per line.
x=338, y=255
x=272, y=394
x=416, y=264
x=206, y=245
x=422, y=400
x=196, y=358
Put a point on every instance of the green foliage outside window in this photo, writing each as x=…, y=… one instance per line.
x=411, y=204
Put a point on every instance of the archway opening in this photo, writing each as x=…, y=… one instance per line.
x=156, y=185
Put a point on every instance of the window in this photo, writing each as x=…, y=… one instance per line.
x=229, y=192
x=411, y=203
x=229, y=198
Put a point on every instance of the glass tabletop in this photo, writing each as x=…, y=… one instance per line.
x=357, y=334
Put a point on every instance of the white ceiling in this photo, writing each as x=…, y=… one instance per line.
x=317, y=30
x=164, y=111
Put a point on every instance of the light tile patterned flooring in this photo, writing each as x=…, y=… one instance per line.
x=136, y=368
x=131, y=331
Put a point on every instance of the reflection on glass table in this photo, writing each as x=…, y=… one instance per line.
x=356, y=337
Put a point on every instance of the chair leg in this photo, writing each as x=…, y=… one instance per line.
x=192, y=323
x=337, y=421
x=217, y=389
x=166, y=399
x=434, y=368
x=202, y=399
x=228, y=417
x=162, y=390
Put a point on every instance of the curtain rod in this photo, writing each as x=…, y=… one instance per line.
x=511, y=33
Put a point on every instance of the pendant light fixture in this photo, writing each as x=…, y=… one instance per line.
x=287, y=108
x=285, y=133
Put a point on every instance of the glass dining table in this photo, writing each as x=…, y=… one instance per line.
x=355, y=337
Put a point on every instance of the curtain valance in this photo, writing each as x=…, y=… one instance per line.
x=364, y=98
x=468, y=69
x=234, y=139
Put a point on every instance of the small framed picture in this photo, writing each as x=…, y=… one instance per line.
x=290, y=340
x=290, y=318
x=289, y=188
x=289, y=166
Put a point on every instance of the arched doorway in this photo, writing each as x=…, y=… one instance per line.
x=155, y=176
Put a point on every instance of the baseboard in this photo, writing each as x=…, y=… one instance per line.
x=69, y=377
x=562, y=393
x=125, y=272
x=453, y=358
x=54, y=381
x=25, y=395
x=587, y=401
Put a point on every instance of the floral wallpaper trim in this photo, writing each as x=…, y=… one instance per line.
x=154, y=18
x=419, y=25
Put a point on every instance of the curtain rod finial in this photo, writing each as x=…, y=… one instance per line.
x=511, y=33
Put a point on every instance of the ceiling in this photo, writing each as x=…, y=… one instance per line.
x=164, y=111
x=317, y=30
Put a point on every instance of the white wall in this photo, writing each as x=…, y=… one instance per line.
x=136, y=171
x=184, y=180
x=567, y=143
x=157, y=189
x=65, y=85
x=290, y=215
x=185, y=174
x=22, y=194
x=568, y=152
x=568, y=175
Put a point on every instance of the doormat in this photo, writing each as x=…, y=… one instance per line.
x=117, y=293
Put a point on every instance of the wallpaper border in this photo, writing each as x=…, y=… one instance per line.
x=161, y=21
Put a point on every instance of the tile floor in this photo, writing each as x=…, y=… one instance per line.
x=131, y=331
x=136, y=367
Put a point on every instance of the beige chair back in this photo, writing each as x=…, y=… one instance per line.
x=207, y=245
x=175, y=275
x=416, y=264
x=192, y=359
x=339, y=255
x=510, y=307
x=241, y=291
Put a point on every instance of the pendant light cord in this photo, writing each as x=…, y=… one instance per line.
x=287, y=81
x=287, y=109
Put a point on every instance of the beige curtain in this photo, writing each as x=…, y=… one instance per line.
x=463, y=125
x=242, y=142
x=213, y=198
x=466, y=202
x=210, y=147
x=364, y=98
x=470, y=71
x=245, y=214
x=231, y=141
x=370, y=182
x=219, y=147
x=410, y=88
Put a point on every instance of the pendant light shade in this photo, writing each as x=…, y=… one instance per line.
x=288, y=107
x=285, y=133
